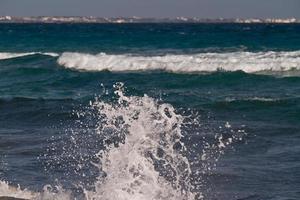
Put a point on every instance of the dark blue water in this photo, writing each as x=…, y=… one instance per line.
x=234, y=80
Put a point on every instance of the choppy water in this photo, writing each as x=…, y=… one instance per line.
x=150, y=111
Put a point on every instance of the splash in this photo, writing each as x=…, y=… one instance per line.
x=147, y=163
x=146, y=155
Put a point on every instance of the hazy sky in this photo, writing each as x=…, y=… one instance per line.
x=153, y=8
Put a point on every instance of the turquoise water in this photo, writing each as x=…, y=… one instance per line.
x=70, y=91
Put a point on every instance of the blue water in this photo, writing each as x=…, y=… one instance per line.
x=41, y=95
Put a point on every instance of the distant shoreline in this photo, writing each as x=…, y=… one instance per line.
x=136, y=20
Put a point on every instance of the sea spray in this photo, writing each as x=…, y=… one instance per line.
x=150, y=159
x=145, y=164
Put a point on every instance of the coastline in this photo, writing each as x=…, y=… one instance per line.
x=135, y=20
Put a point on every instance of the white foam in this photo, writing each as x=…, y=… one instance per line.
x=6, y=55
x=203, y=62
x=16, y=192
x=7, y=190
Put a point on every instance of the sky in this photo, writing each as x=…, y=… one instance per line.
x=154, y=8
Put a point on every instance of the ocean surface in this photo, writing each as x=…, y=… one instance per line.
x=150, y=111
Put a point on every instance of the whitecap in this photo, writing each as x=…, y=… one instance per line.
x=250, y=62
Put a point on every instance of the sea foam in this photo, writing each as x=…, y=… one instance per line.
x=249, y=62
x=48, y=193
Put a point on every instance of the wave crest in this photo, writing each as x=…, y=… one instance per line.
x=203, y=62
x=6, y=55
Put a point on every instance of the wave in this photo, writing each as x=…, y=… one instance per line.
x=7, y=55
x=250, y=62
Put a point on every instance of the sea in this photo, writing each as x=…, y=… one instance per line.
x=150, y=111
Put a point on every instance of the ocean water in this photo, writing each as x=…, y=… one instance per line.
x=150, y=111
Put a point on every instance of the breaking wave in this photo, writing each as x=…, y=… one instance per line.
x=6, y=55
x=144, y=155
x=249, y=62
